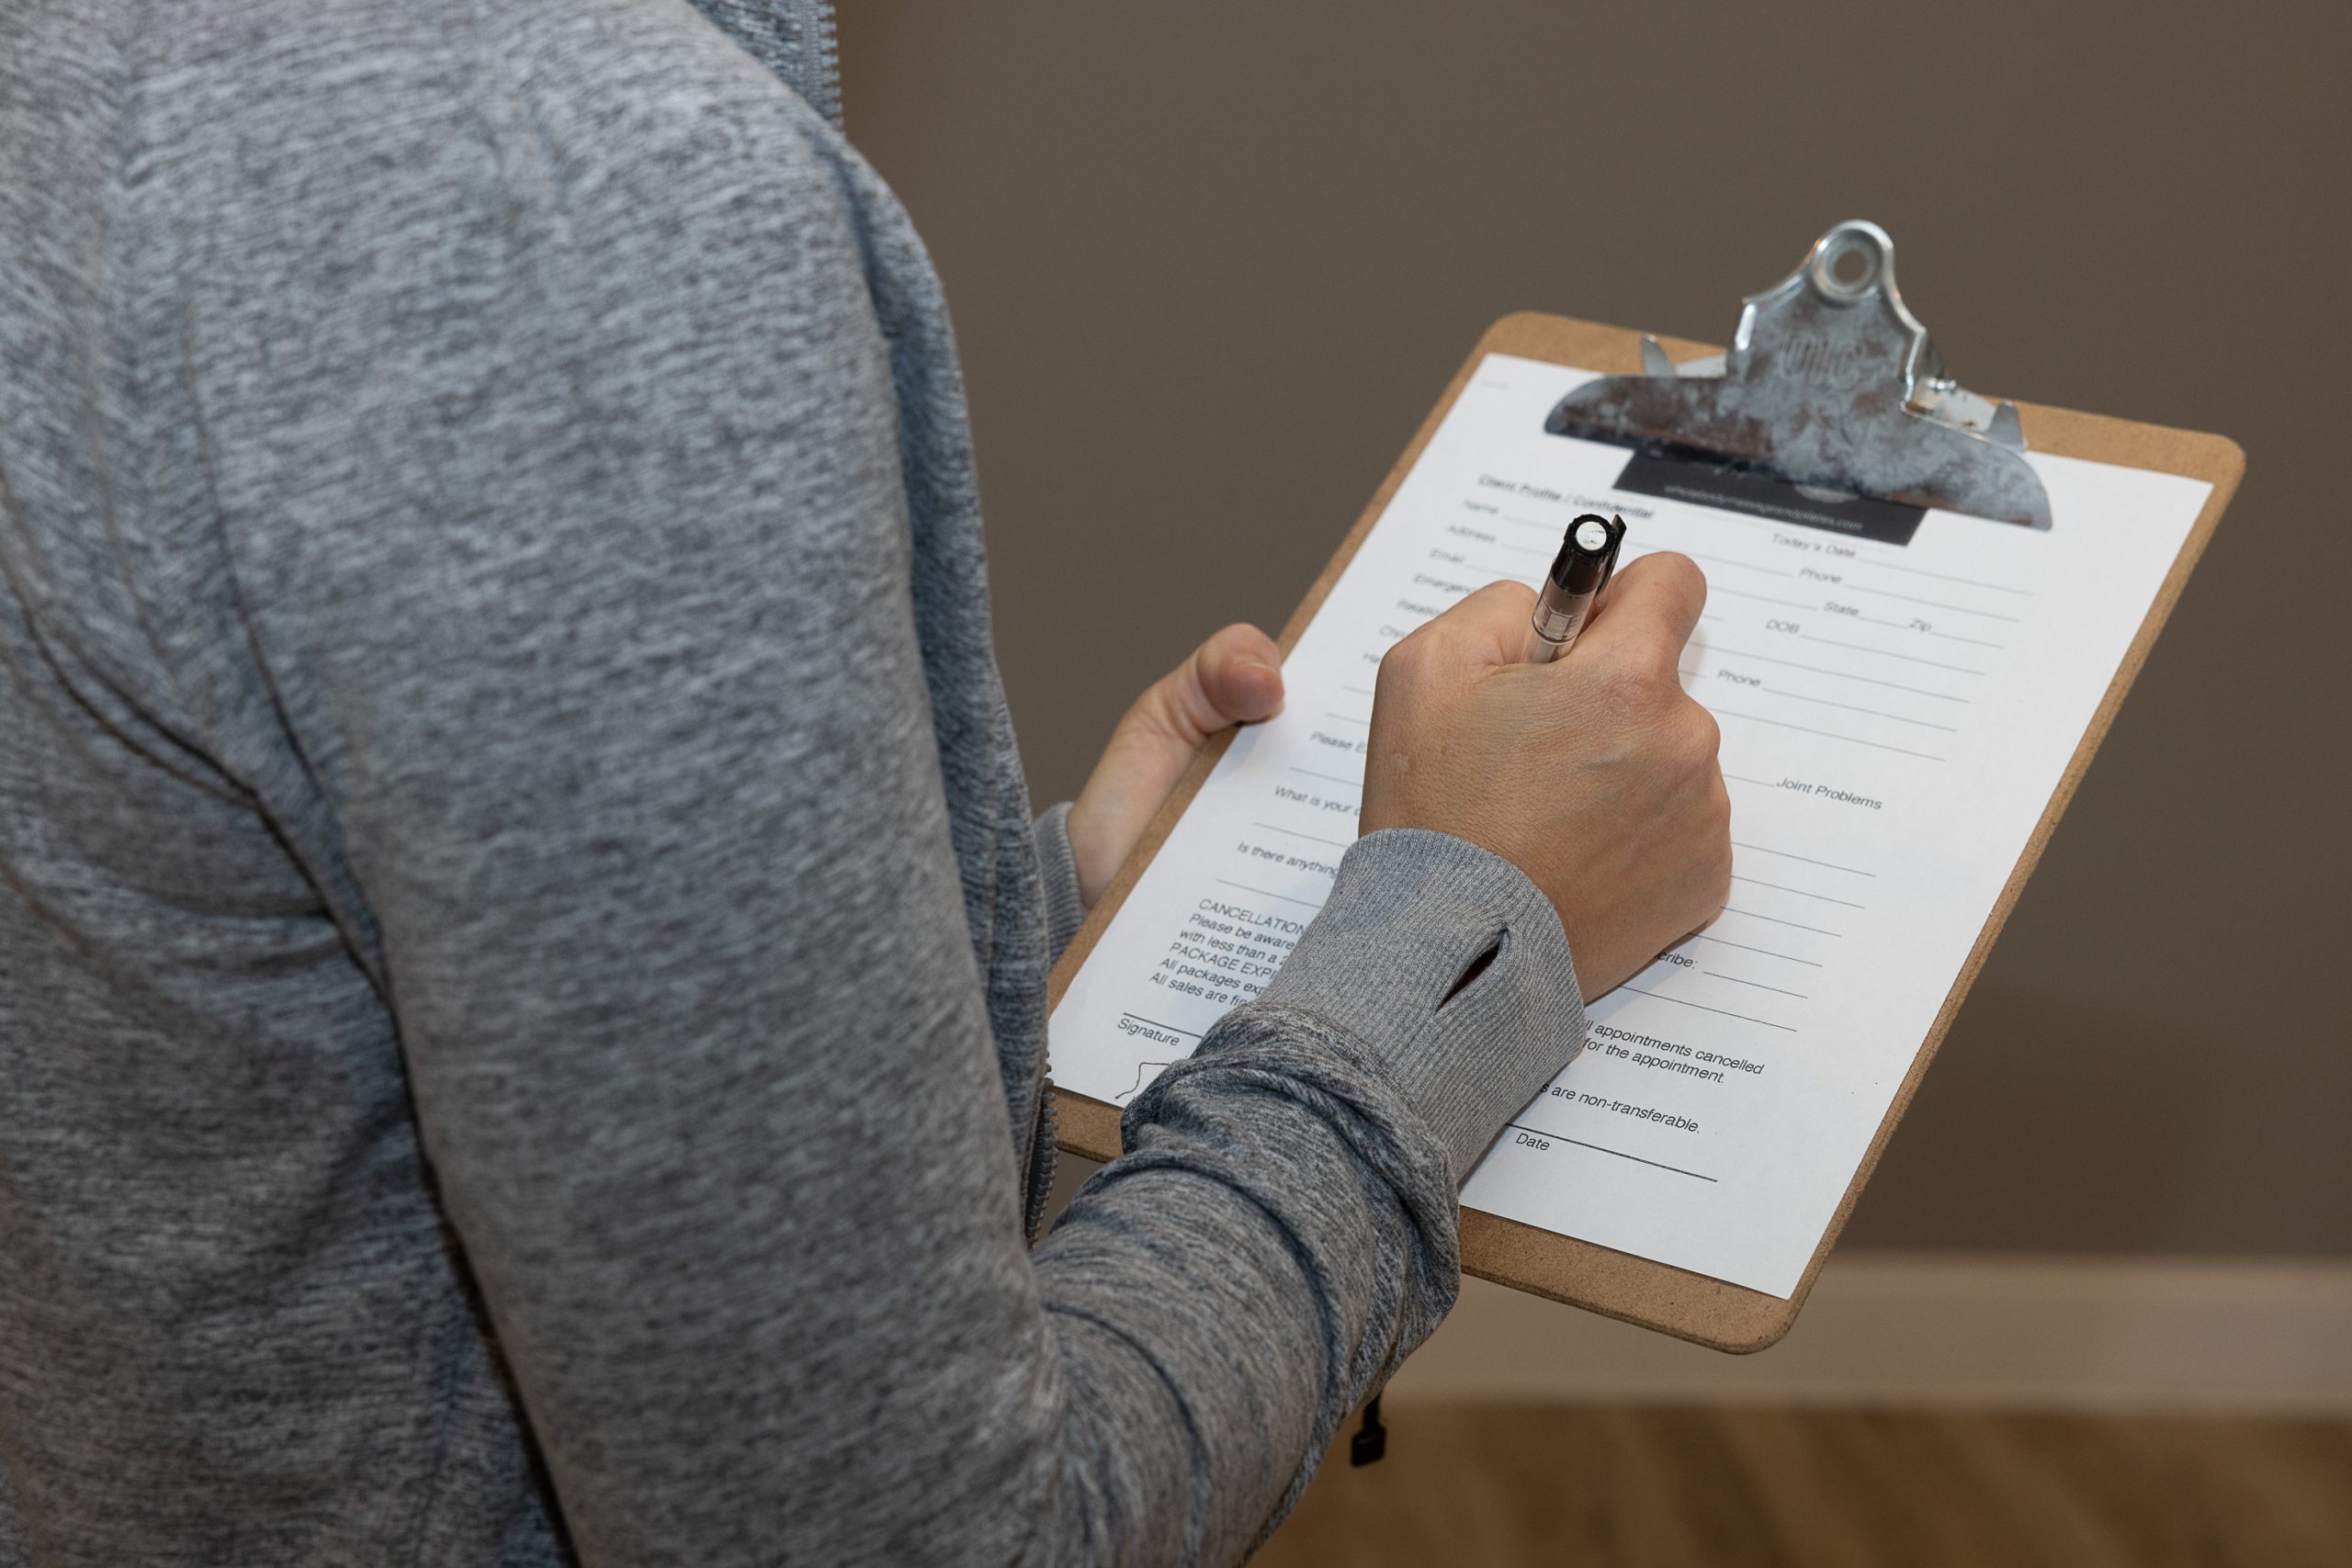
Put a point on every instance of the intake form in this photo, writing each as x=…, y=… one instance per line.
x=1897, y=705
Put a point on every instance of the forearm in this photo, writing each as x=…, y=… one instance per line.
x=1281, y=1232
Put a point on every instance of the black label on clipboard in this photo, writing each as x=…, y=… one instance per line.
x=1761, y=495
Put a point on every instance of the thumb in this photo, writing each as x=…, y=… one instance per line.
x=1236, y=677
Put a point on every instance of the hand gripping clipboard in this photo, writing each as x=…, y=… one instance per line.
x=1830, y=382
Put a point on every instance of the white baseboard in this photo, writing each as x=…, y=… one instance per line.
x=2024, y=1333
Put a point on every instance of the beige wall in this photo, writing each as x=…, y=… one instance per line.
x=1211, y=262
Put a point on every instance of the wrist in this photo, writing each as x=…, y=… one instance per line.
x=1412, y=913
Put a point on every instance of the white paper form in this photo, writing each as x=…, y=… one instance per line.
x=1895, y=719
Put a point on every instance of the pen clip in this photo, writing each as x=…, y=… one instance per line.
x=1608, y=566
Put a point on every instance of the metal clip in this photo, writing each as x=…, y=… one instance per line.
x=1830, y=382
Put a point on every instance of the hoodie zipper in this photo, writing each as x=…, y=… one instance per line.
x=1042, y=1158
x=822, y=57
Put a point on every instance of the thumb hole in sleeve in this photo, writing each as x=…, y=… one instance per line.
x=1476, y=967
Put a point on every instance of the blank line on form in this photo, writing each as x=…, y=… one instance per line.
x=1802, y=893
x=1262, y=893
x=1830, y=734
x=1791, y=854
x=1744, y=1018
x=1310, y=838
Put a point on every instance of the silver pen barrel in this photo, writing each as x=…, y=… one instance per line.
x=1564, y=603
x=1559, y=616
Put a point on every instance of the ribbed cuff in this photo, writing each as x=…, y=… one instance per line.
x=1409, y=914
x=1065, y=910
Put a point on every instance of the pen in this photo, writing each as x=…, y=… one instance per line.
x=1586, y=556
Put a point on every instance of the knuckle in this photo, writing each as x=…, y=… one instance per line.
x=1404, y=655
x=1691, y=739
x=1707, y=733
x=1656, y=686
x=1406, y=663
x=1719, y=818
x=1719, y=860
x=1707, y=876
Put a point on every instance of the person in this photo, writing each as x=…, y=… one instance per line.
x=523, y=940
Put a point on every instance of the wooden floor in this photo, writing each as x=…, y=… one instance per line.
x=1602, y=1488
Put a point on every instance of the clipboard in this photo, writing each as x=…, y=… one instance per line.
x=1938, y=444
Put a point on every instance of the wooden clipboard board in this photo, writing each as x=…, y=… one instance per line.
x=1617, y=1284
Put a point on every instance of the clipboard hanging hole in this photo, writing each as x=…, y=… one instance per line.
x=1847, y=269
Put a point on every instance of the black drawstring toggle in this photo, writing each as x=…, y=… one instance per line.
x=1372, y=1438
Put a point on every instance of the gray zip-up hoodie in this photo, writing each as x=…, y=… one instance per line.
x=522, y=946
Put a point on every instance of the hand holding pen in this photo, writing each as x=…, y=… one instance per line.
x=1595, y=775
